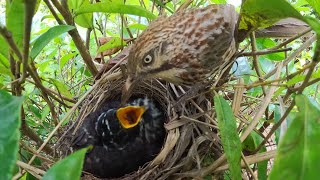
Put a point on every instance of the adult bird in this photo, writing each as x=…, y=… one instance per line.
x=123, y=138
x=185, y=48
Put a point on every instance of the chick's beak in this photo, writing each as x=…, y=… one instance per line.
x=130, y=116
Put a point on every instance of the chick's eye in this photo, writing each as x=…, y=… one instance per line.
x=147, y=59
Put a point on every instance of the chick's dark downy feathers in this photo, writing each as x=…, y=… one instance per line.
x=119, y=149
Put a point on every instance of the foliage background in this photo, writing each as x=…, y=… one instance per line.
x=53, y=68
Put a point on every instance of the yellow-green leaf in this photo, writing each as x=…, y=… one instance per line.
x=298, y=152
x=9, y=132
x=229, y=135
x=114, y=8
x=68, y=168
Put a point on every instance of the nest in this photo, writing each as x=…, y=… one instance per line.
x=191, y=141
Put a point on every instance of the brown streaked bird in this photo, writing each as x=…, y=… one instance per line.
x=185, y=48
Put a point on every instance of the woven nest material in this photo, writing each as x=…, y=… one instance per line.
x=191, y=141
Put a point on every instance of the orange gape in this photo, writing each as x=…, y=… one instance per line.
x=130, y=116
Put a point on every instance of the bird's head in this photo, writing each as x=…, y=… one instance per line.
x=130, y=116
x=151, y=57
x=149, y=62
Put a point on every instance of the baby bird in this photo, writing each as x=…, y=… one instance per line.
x=123, y=139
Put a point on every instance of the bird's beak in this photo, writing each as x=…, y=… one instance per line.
x=127, y=89
x=130, y=116
x=128, y=84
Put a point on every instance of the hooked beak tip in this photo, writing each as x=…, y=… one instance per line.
x=126, y=91
x=127, y=85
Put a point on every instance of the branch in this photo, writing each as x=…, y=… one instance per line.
x=27, y=131
x=29, y=12
x=8, y=37
x=53, y=12
x=255, y=60
x=84, y=52
x=43, y=91
x=265, y=51
x=292, y=55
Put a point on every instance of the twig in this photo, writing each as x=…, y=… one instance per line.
x=197, y=121
x=29, y=12
x=33, y=170
x=251, y=159
x=76, y=37
x=62, y=120
x=264, y=52
x=247, y=165
x=184, y=5
x=43, y=91
x=51, y=93
x=292, y=55
x=308, y=76
x=266, y=82
x=105, y=75
x=8, y=36
x=291, y=39
x=27, y=148
x=255, y=60
x=53, y=12
x=88, y=38
x=263, y=105
x=275, y=127
x=27, y=131
x=299, y=89
x=313, y=81
x=61, y=96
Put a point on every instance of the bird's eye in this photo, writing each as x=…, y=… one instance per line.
x=147, y=59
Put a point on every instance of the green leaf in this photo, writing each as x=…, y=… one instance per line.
x=277, y=116
x=315, y=24
x=46, y=37
x=229, y=135
x=159, y=3
x=114, y=8
x=15, y=20
x=298, y=153
x=65, y=59
x=45, y=112
x=264, y=43
x=75, y=4
x=9, y=132
x=138, y=26
x=62, y=88
x=5, y=70
x=68, y=168
x=113, y=43
x=219, y=1
x=315, y=4
x=50, y=16
x=261, y=13
x=4, y=50
x=4, y=61
x=249, y=145
x=83, y=20
x=35, y=110
x=262, y=165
